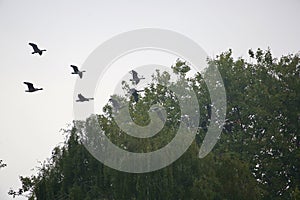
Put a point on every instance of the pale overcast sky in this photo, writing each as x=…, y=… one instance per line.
x=71, y=30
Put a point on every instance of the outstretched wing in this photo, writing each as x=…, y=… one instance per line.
x=80, y=74
x=29, y=85
x=134, y=74
x=75, y=68
x=34, y=46
x=81, y=97
x=132, y=90
x=115, y=103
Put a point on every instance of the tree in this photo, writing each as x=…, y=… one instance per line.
x=256, y=157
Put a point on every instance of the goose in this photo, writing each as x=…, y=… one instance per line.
x=228, y=125
x=135, y=77
x=31, y=88
x=135, y=94
x=76, y=71
x=159, y=113
x=115, y=104
x=81, y=98
x=36, y=49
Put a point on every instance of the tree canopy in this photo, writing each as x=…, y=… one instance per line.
x=256, y=157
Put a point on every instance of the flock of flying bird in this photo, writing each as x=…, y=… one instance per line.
x=133, y=92
x=135, y=80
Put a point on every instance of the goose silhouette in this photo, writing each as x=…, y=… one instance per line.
x=115, y=103
x=31, y=88
x=135, y=78
x=36, y=49
x=135, y=94
x=76, y=71
x=81, y=98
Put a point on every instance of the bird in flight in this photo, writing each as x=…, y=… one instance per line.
x=135, y=78
x=81, y=98
x=135, y=94
x=31, y=88
x=76, y=71
x=115, y=103
x=36, y=49
x=159, y=113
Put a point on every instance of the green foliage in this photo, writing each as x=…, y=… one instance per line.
x=257, y=156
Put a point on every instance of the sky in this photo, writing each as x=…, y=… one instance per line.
x=71, y=30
